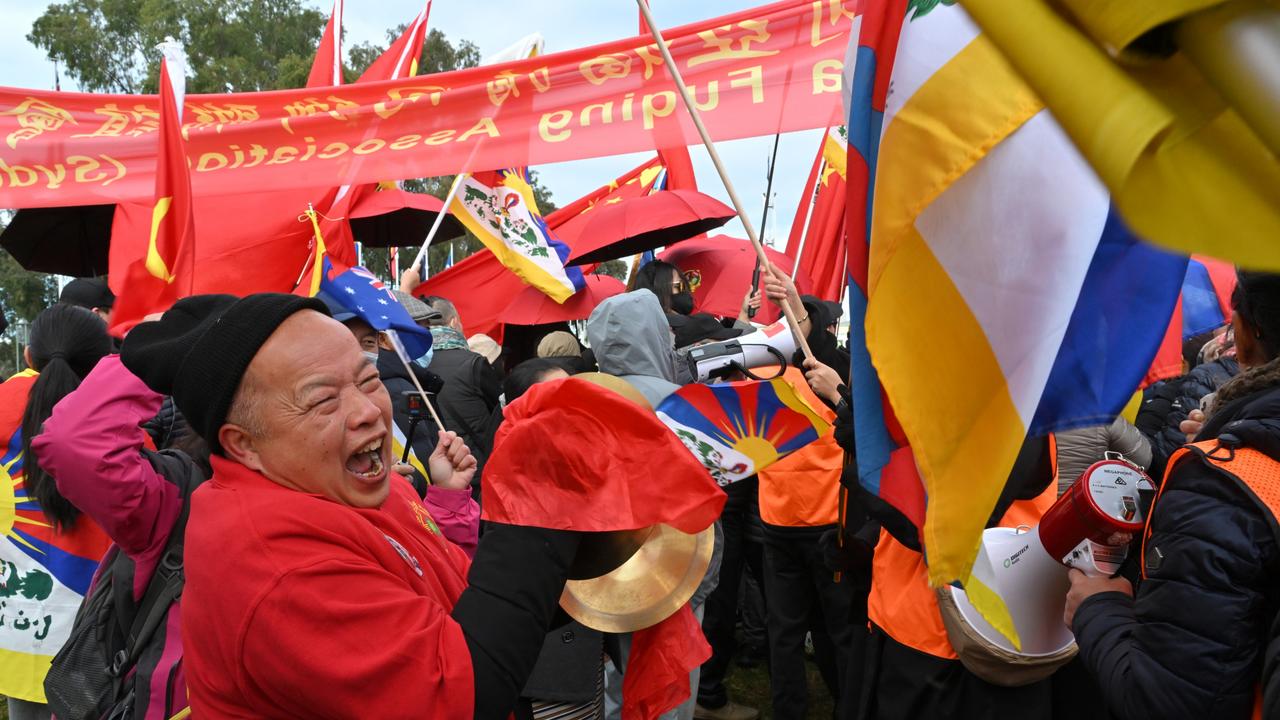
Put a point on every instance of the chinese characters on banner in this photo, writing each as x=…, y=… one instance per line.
x=765, y=70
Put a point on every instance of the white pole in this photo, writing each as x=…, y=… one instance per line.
x=435, y=226
x=715, y=160
x=808, y=215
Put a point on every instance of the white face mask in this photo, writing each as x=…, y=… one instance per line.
x=373, y=356
x=425, y=360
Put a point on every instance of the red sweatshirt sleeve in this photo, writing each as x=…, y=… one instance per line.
x=337, y=639
x=92, y=444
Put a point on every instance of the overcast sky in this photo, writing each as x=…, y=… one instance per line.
x=565, y=24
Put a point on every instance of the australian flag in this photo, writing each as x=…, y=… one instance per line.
x=357, y=290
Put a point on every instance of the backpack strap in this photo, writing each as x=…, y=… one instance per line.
x=165, y=586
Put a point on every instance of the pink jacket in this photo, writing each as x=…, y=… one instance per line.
x=91, y=444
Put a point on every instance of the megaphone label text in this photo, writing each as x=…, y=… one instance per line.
x=1014, y=558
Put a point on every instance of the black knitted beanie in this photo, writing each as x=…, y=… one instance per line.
x=200, y=349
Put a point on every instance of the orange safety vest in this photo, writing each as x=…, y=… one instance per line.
x=901, y=602
x=1255, y=472
x=803, y=489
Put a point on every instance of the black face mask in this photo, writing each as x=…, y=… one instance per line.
x=682, y=302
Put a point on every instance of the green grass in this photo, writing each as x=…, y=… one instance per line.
x=750, y=687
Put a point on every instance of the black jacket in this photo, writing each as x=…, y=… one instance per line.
x=1166, y=404
x=396, y=379
x=1191, y=644
x=471, y=391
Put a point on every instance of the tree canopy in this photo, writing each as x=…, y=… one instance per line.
x=231, y=45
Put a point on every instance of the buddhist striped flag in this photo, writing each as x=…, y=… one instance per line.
x=994, y=286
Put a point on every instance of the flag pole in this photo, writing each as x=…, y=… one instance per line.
x=398, y=348
x=808, y=215
x=724, y=175
x=435, y=225
x=764, y=222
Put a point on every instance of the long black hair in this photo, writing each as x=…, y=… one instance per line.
x=661, y=278
x=65, y=343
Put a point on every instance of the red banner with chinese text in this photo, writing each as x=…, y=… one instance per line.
x=770, y=69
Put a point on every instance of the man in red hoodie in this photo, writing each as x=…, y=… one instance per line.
x=317, y=584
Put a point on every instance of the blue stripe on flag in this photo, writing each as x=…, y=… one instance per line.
x=1115, y=329
x=71, y=570
x=871, y=435
x=870, y=432
x=573, y=272
x=684, y=413
x=1201, y=311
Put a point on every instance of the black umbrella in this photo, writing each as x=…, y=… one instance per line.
x=65, y=240
x=644, y=223
x=390, y=218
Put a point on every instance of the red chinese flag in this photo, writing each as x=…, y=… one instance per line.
x=401, y=59
x=164, y=271
x=820, y=246
x=326, y=69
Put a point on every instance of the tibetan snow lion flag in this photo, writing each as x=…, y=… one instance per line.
x=738, y=429
x=44, y=573
x=499, y=207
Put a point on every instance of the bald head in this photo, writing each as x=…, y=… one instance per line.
x=311, y=413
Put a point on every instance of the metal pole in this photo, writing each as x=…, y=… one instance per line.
x=764, y=217
x=715, y=160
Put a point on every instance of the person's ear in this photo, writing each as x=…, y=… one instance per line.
x=240, y=446
x=26, y=357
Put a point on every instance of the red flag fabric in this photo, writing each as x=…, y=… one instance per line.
x=718, y=269
x=820, y=247
x=401, y=59
x=571, y=444
x=481, y=311
x=533, y=307
x=326, y=69
x=1168, y=360
x=799, y=222
x=662, y=656
x=162, y=272
x=231, y=256
x=680, y=175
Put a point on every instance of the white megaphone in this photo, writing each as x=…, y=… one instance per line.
x=1089, y=528
x=770, y=345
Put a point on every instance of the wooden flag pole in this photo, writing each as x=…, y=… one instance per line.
x=715, y=160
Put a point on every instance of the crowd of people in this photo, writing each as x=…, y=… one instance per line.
x=228, y=531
